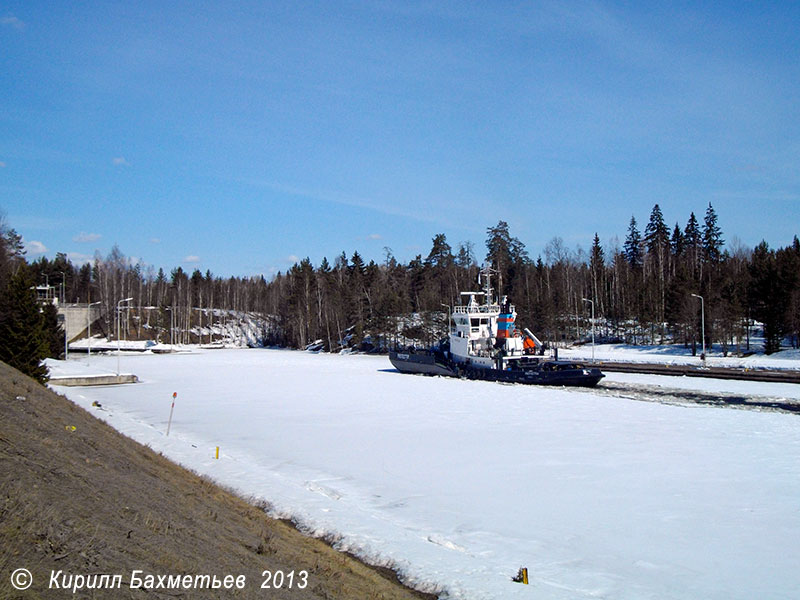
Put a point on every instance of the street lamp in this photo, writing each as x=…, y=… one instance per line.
x=171, y=326
x=703, y=326
x=119, y=309
x=592, y=303
x=89, y=324
x=62, y=297
x=447, y=306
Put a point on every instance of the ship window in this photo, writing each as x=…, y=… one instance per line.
x=475, y=322
x=484, y=321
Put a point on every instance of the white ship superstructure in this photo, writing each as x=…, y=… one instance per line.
x=484, y=335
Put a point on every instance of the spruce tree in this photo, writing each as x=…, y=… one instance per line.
x=766, y=296
x=693, y=245
x=677, y=242
x=633, y=245
x=53, y=331
x=506, y=254
x=712, y=237
x=656, y=234
x=23, y=344
x=597, y=269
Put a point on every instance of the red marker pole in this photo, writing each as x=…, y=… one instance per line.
x=169, y=423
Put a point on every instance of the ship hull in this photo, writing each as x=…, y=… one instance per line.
x=546, y=373
x=421, y=363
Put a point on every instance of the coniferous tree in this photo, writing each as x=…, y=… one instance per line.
x=712, y=237
x=597, y=268
x=53, y=332
x=693, y=243
x=506, y=255
x=765, y=296
x=633, y=245
x=657, y=242
x=23, y=343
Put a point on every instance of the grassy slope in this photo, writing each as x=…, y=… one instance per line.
x=93, y=501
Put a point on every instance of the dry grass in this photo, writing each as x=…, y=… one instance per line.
x=91, y=501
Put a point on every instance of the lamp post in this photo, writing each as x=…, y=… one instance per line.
x=119, y=309
x=447, y=306
x=592, y=303
x=703, y=326
x=61, y=300
x=171, y=325
x=89, y=325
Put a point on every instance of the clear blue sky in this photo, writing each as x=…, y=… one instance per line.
x=238, y=136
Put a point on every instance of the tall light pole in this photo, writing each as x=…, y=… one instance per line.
x=171, y=326
x=119, y=309
x=703, y=325
x=62, y=298
x=89, y=324
x=592, y=303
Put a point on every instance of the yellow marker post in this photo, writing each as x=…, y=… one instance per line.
x=525, y=575
x=217, y=454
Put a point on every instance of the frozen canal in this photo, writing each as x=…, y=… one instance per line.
x=457, y=484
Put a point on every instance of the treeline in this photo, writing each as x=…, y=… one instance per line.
x=643, y=290
x=157, y=302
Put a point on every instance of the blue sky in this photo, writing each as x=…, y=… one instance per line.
x=236, y=137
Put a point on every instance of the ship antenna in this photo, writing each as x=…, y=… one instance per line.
x=486, y=272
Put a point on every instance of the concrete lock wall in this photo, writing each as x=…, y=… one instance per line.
x=76, y=318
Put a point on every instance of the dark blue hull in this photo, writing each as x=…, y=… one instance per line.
x=532, y=373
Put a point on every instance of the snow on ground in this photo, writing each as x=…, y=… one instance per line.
x=459, y=483
x=676, y=354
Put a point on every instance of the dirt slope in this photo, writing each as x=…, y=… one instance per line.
x=90, y=501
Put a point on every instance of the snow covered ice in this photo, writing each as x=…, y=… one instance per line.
x=457, y=483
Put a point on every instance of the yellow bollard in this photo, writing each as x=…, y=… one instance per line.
x=525, y=575
x=217, y=455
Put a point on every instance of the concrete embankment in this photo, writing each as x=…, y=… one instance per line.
x=78, y=380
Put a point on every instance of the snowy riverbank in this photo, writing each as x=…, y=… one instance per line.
x=457, y=483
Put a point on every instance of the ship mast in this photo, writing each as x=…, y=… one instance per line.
x=486, y=273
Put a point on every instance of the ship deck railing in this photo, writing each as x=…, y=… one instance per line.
x=479, y=309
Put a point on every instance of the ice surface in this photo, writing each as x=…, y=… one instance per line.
x=459, y=483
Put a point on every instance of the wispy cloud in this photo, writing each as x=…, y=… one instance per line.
x=191, y=258
x=374, y=236
x=79, y=258
x=292, y=259
x=12, y=21
x=383, y=206
x=155, y=240
x=35, y=248
x=86, y=237
x=2, y=164
x=119, y=161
